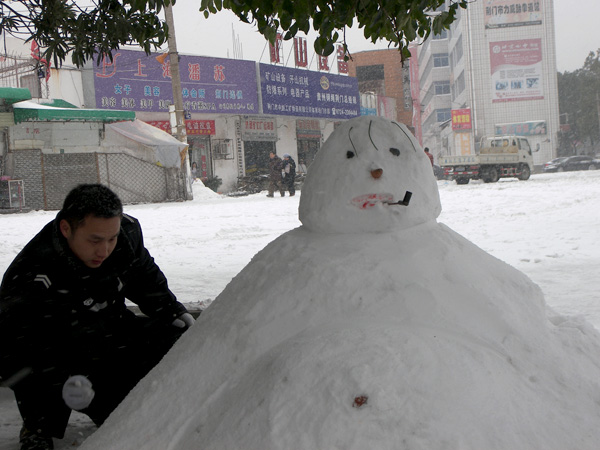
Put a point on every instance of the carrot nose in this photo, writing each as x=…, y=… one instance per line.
x=376, y=173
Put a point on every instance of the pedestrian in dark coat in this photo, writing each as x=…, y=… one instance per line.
x=275, y=178
x=289, y=174
x=68, y=339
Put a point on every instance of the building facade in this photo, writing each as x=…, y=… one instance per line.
x=236, y=111
x=492, y=73
x=384, y=84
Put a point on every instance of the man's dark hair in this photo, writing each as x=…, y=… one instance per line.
x=90, y=199
x=427, y=149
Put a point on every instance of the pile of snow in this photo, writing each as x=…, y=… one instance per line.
x=392, y=331
x=201, y=192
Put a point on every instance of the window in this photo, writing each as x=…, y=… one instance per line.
x=442, y=35
x=440, y=60
x=367, y=73
x=525, y=145
x=443, y=115
x=457, y=52
x=441, y=87
x=458, y=86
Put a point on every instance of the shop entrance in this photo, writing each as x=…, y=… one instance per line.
x=256, y=155
x=199, y=153
x=307, y=149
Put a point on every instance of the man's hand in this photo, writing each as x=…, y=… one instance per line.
x=77, y=392
x=185, y=320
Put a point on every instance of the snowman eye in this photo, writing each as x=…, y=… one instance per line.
x=350, y=154
x=395, y=151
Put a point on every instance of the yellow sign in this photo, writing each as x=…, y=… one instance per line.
x=462, y=141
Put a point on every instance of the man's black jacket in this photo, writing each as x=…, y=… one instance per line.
x=54, y=310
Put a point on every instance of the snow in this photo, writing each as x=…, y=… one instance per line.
x=450, y=347
x=342, y=195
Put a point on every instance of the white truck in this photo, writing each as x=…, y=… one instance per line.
x=499, y=157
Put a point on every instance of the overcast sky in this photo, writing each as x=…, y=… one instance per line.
x=576, y=22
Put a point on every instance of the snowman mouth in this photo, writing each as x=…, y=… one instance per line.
x=367, y=201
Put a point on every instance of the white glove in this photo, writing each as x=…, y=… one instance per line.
x=77, y=392
x=185, y=320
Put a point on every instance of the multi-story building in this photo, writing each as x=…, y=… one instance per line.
x=492, y=73
x=383, y=80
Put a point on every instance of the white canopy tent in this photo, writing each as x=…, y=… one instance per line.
x=157, y=146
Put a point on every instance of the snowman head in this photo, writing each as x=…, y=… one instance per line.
x=368, y=164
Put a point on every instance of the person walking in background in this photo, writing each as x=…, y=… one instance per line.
x=194, y=171
x=289, y=174
x=302, y=170
x=69, y=341
x=429, y=155
x=275, y=167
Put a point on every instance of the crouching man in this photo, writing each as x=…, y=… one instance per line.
x=67, y=339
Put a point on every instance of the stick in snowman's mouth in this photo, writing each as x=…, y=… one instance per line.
x=403, y=202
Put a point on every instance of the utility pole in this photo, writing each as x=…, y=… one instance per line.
x=177, y=94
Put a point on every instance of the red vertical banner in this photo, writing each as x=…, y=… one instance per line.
x=415, y=90
x=300, y=53
x=342, y=64
x=276, y=49
x=203, y=166
x=323, y=63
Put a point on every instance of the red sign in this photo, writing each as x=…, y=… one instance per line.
x=259, y=129
x=342, y=63
x=276, y=49
x=192, y=127
x=415, y=89
x=203, y=166
x=300, y=53
x=461, y=119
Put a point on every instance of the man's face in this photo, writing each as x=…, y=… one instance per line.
x=94, y=240
x=271, y=155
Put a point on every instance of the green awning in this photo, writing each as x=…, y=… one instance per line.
x=9, y=95
x=33, y=112
x=57, y=103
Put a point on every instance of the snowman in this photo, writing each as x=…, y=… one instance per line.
x=388, y=330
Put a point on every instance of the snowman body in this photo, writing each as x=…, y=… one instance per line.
x=387, y=330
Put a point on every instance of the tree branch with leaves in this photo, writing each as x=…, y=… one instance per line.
x=63, y=27
x=399, y=22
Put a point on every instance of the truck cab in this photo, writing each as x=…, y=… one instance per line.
x=506, y=144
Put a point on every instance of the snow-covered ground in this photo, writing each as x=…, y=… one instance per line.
x=547, y=227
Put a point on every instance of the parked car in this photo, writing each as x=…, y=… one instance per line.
x=581, y=162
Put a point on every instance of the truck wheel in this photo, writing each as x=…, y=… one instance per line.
x=462, y=181
x=525, y=173
x=592, y=167
x=491, y=175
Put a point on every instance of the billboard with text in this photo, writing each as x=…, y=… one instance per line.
x=512, y=13
x=297, y=92
x=135, y=81
x=516, y=69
